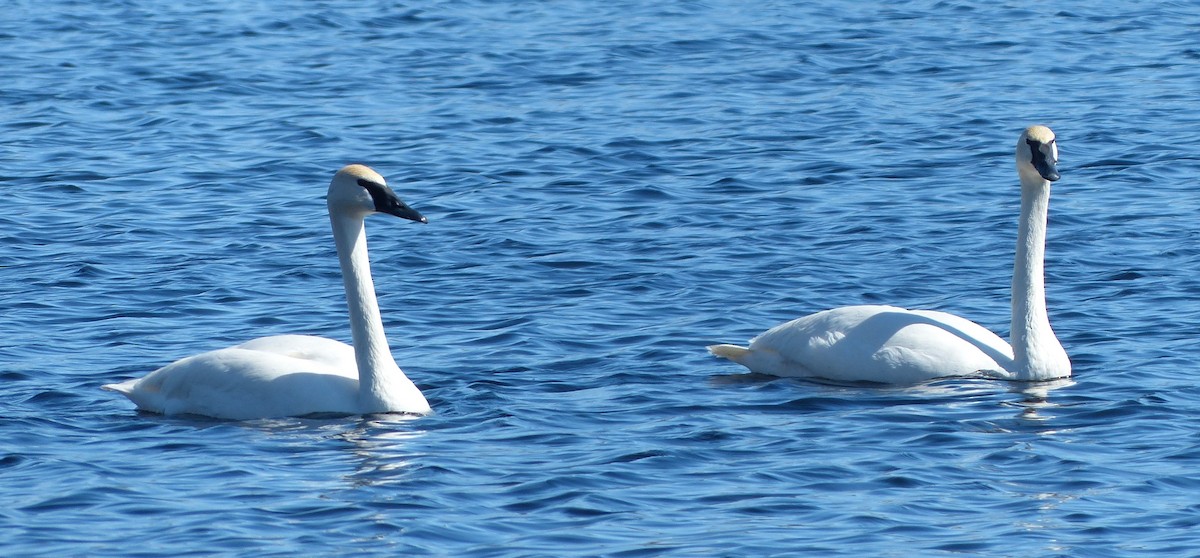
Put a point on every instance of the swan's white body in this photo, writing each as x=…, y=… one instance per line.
x=894, y=345
x=296, y=375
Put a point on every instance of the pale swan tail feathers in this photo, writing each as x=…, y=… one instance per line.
x=125, y=387
x=762, y=361
x=731, y=352
x=145, y=393
x=146, y=397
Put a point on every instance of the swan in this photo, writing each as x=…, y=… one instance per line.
x=296, y=375
x=886, y=344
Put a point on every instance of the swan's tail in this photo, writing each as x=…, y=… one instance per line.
x=762, y=360
x=731, y=352
x=125, y=387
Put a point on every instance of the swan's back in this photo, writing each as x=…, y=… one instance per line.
x=336, y=354
x=879, y=344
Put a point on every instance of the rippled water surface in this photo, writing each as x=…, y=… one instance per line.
x=611, y=186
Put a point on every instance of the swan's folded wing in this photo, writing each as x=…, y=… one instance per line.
x=237, y=383
x=884, y=344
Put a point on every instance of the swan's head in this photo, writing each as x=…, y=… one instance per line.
x=357, y=189
x=1037, y=154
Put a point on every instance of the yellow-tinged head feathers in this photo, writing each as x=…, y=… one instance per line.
x=357, y=171
x=1039, y=133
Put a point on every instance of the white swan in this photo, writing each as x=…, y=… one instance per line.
x=894, y=345
x=295, y=375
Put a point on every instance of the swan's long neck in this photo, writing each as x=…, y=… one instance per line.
x=379, y=377
x=1036, y=350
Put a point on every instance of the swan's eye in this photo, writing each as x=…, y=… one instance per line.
x=380, y=194
x=1046, y=149
x=369, y=184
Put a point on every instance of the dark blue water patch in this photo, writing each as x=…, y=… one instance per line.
x=9, y=461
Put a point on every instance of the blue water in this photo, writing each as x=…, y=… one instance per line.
x=611, y=186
